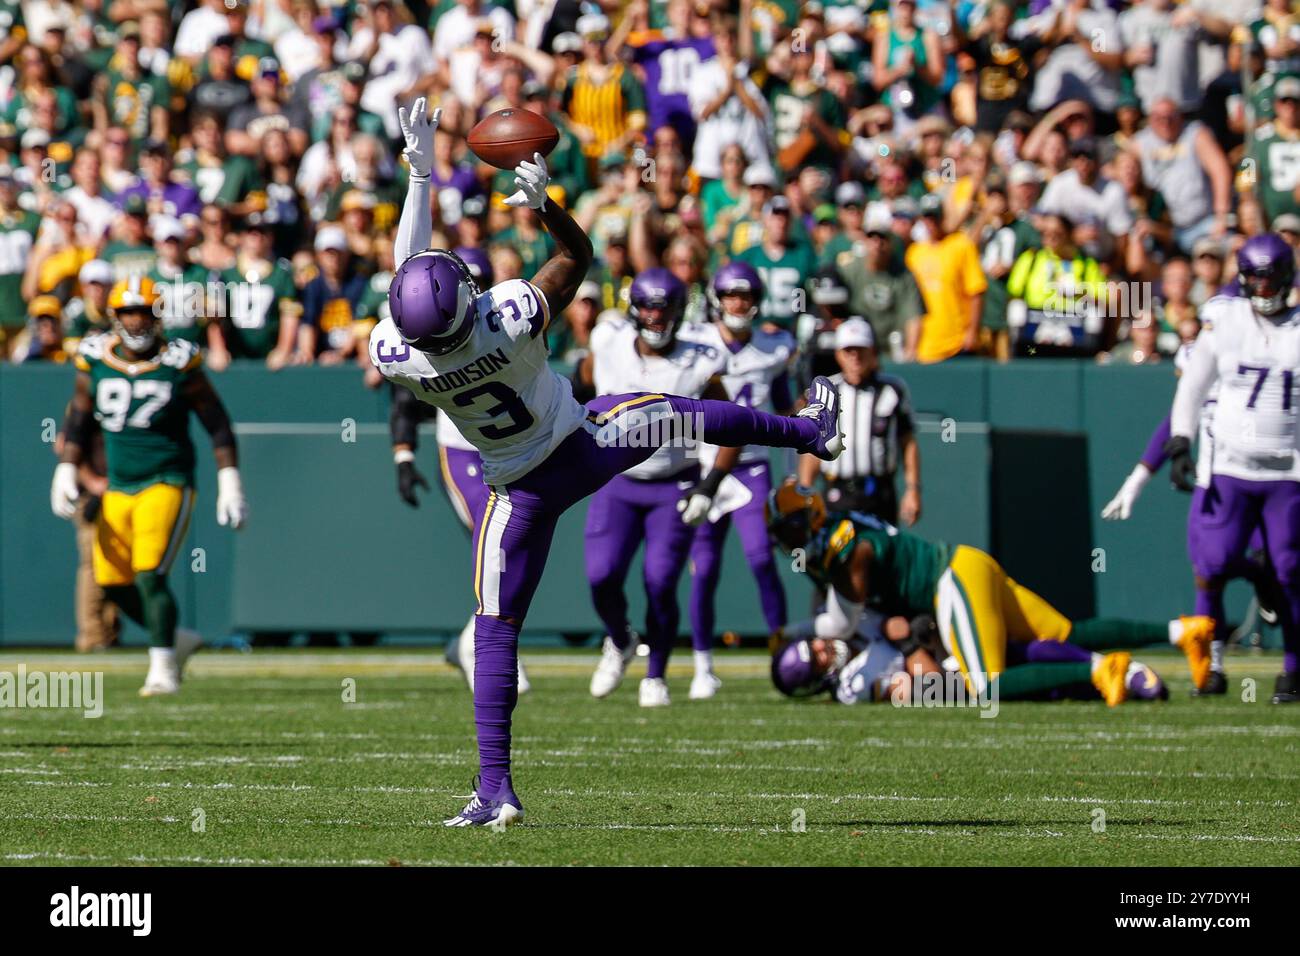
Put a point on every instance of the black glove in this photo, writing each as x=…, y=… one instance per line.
x=408, y=479
x=1182, y=470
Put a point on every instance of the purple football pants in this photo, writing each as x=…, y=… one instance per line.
x=621, y=515
x=515, y=532
x=706, y=558
x=462, y=479
x=1226, y=516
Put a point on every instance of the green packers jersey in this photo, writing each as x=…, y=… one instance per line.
x=789, y=106
x=185, y=297
x=142, y=411
x=17, y=235
x=254, y=300
x=904, y=570
x=80, y=320
x=785, y=281
x=373, y=305
x=129, y=260
x=1277, y=170
x=130, y=101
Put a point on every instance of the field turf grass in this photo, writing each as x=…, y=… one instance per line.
x=284, y=772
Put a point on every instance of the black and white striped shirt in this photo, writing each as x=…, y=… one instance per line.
x=875, y=417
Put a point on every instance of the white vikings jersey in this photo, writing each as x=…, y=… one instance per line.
x=1255, y=361
x=751, y=371
x=866, y=677
x=1205, y=437
x=449, y=435
x=686, y=370
x=496, y=388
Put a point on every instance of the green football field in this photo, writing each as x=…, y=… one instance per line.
x=261, y=762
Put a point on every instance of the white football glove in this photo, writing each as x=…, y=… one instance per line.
x=532, y=180
x=232, y=508
x=1121, y=506
x=64, y=491
x=695, y=508
x=417, y=129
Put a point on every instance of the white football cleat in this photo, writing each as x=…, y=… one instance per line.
x=524, y=685
x=160, y=683
x=612, y=666
x=654, y=692
x=704, y=686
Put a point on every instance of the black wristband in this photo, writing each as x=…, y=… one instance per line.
x=708, y=485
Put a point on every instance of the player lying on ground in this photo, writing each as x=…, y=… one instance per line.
x=980, y=609
x=1253, y=567
x=1250, y=347
x=140, y=389
x=881, y=660
x=482, y=359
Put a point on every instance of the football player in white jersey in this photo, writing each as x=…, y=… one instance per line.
x=1250, y=347
x=757, y=376
x=649, y=352
x=481, y=358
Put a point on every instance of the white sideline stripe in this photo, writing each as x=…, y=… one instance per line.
x=234, y=860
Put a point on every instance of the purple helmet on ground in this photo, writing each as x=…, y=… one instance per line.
x=1266, y=268
x=736, y=277
x=431, y=300
x=657, y=289
x=480, y=266
x=795, y=671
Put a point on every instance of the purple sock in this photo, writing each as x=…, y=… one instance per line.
x=496, y=690
x=1290, y=662
x=1055, y=652
x=728, y=424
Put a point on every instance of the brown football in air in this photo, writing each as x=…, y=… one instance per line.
x=510, y=136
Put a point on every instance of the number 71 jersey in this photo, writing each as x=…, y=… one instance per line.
x=497, y=388
x=1258, y=368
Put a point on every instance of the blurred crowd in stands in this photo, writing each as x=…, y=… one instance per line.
x=980, y=177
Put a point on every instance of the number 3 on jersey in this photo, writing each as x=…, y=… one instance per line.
x=508, y=403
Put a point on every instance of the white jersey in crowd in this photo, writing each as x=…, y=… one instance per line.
x=750, y=373
x=496, y=388
x=619, y=367
x=1255, y=361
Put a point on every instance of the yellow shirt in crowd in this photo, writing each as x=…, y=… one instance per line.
x=949, y=275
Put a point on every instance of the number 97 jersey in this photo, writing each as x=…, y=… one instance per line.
x=142, y=411
x=497, y=388
x=1257, y=363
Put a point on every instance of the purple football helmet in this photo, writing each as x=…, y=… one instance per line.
x=1266, y=267
x=431, y=300
x=657, y=289
x=795, y=671
x=732, y=278
x=480, y=266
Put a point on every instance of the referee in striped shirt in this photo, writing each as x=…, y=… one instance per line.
x=876, y=416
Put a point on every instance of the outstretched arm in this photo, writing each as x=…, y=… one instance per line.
x=232, y=507
x=415, y=228
x=558, y=279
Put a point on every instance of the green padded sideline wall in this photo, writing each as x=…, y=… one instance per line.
x=1030, y=454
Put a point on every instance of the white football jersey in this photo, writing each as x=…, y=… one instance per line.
x=619, y=367
x=751, y=370
x=866, y=677
x=1255, y=362
x=449, y=435
x=1205, y=438
x=496, y=388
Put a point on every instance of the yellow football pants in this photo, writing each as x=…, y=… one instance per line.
x=140, y=532
x=979, y=608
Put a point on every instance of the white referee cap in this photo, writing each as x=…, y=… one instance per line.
x=855, y=333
